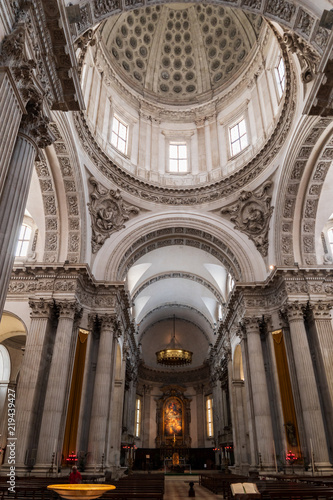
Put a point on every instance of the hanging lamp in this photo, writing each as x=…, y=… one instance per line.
x=174, y=354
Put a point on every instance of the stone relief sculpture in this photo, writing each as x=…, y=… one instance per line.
x=108, y=213
x=251, y=215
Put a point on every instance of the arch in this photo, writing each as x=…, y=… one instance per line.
x=238, y=370
x=182, y=275
x=11, y=326
x=5, y=366
x=203, y=232
x=300, y=188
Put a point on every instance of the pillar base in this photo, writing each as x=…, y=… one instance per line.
x=322, y=468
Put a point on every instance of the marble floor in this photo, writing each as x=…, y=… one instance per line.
x=177, y=487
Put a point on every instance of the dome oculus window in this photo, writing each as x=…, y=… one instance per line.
x=119, y=136
x=178, y=157
x=238, y=137
x=280, y=75
x=23, y=241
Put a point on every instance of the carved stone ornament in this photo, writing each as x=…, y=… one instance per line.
x=308, y=58
x=108, y=213
x=35, y=125
x=251, y=215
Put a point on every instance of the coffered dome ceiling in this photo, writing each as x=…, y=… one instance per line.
x=180, y=53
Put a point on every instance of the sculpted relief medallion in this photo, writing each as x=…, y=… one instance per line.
x=251, y=215
x=108, y=213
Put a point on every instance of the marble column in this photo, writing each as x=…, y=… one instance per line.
x=33, y=372
x=16, y=188
x=312, y=415
x=117, y=410
x=240, y=428
x=323, y=323
x=23, y=129
x=101, y=394
x=56, y=401
x=11, y=110
x=261, y=408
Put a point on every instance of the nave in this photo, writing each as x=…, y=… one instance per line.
x=177, y=487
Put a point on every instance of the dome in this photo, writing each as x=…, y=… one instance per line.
x=179, y=53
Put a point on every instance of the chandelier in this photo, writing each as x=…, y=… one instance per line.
x=174, y=354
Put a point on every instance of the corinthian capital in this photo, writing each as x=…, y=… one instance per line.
x=251, y=324
x=40, y=308
x=35, y=125
x=69, y=309
x=294, y=311
x=321, y=310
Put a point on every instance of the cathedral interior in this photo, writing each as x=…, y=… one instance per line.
x=166, y=235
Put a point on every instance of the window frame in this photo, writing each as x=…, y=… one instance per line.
x=24, y=240
x=122, y=122
x=280, y=89
x=178, y=143
x=232, y=125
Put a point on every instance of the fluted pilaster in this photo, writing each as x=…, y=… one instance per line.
x=313, y=421
x=11, y=110
x=33, y=371
x=323, y=322
x=102, y=389
x=55, y=406
x=261, y=408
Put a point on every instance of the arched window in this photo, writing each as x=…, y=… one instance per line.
x=23, y=241
x=137, y=417
x=209, y=416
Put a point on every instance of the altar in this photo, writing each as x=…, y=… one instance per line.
x=173, y=425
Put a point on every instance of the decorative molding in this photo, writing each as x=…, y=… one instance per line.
x=72, y=197
x=251, y=215
x=307, y=56
x=108, y=213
